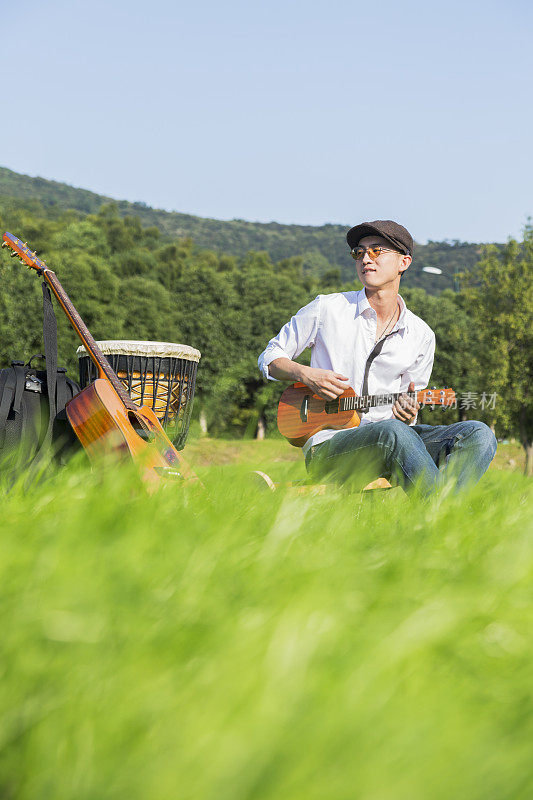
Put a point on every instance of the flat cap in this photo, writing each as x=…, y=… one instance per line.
x=396, y=234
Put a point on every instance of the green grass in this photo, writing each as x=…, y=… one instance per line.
x=238, y=643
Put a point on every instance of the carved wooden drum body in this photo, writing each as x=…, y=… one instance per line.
x=161, y=375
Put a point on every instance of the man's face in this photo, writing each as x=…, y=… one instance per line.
x=385, y=269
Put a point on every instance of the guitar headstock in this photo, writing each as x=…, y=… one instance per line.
x=22, y=251
x=436, y=397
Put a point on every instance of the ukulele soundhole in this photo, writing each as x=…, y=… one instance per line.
x=140, y=428
x=332, y=406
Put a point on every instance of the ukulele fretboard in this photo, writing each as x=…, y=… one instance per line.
x=364, y=402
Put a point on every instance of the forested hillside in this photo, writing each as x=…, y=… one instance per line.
x=322, y=248
x=130, y=281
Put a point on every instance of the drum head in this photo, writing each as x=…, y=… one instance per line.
x=129, y=347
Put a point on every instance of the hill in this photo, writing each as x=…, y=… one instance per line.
x=322, y=248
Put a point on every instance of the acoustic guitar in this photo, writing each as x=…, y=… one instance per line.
x=301, y=413
x=104, y=417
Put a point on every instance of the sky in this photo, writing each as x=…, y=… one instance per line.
x=295, y=112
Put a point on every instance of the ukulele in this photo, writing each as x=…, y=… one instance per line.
x=104, y=417
x=301, y=413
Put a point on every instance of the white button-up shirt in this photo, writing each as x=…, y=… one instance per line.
x=341, y=330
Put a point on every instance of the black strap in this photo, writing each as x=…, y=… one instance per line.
x=20, y=378
x=374, y=354
x=50, y=351
x=35, y=355
x=7, y=390
x=12, y=385
x=63, y=393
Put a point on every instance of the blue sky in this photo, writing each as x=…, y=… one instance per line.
x=288, y=111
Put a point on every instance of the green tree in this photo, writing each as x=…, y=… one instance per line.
x=81, y=235
x=499, y=297
x=21, y=321
x=148, y=310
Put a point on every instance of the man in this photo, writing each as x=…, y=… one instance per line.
x=369, y=340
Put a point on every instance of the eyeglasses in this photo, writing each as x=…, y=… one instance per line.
x=374, y=252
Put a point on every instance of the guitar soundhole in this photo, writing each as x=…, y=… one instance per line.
x=332, y=406
x=140, y=428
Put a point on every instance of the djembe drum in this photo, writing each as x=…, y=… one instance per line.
x=158, y=374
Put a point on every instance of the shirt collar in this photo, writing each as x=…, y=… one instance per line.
x=362, y=302
x=403, y=319
x=364, y=305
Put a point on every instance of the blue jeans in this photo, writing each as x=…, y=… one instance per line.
x=408, y=456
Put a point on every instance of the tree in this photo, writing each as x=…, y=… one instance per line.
x=499, y=298
x=148, y=310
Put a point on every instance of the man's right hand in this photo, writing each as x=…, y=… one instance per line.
x=324, y=382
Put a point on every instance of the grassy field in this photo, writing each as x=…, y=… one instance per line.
x=284, y=461
x=237, y=643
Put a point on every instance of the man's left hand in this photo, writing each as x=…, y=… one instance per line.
x=406, y=408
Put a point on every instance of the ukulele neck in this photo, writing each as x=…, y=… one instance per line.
x=365, y=402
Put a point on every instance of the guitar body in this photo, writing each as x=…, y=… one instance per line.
x=106, y=429
x=301, y=414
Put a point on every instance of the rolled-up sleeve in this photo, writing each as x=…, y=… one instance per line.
x=300, y=332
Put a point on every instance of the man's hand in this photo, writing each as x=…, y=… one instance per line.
x=405, y=408
x=324, y=382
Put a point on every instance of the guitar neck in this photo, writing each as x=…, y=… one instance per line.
x=367, y=401
x=100, y=361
